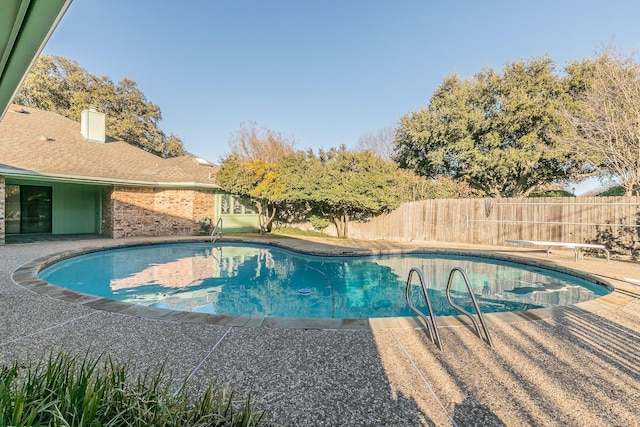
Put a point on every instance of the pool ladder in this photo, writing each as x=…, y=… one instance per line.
x=216, y=234
x=430, y=321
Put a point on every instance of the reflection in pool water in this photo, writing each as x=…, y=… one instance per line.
x=253, y=280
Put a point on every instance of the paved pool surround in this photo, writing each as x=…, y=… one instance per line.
x=575, y=365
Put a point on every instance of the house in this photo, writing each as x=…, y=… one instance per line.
x=58, y=176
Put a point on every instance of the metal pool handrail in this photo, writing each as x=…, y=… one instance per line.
x=215, y=236
x=487, y=338
x=430, y=321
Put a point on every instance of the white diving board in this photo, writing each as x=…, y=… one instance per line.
x=574, y=246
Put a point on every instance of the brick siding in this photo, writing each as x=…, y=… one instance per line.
x=136, y=211
x=107, y=212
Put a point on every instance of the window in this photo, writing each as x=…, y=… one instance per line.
x=28, y=209
x=235, y=205
x=12, y=209
x=248, y=206
x=225, y=204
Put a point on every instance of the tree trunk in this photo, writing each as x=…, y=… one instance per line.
x=260, y=215
x=269, y=218
x=342, y=225
x=346, y=225
x=339, y=229
x=264, y=217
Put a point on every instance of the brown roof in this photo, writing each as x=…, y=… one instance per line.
x=37, y=142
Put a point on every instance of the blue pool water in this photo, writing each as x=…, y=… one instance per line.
x=255, y=280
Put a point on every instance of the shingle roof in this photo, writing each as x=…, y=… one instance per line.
x=37, y=142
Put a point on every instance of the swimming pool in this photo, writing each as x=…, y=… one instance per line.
x=241, y=279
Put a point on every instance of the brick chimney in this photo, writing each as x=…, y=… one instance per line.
x=92, y=125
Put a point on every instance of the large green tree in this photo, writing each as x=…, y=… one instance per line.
x=60, y=85
x=498, y=132
x=341, y=185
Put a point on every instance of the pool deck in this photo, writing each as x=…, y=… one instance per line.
x=574, y=366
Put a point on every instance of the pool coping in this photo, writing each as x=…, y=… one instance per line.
x=27, y=276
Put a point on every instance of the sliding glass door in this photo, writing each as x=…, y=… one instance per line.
x=35, y=209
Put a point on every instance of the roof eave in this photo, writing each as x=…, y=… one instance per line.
x=31, y=27
x=102, y=181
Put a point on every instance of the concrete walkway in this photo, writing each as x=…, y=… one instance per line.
x=576, y=366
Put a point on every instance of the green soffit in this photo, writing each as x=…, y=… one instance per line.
x=25, y=27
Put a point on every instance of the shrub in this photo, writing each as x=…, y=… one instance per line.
x=205, y=226
x=319, y=222
x=552, y=193
x=618, y=190
x=70, y=391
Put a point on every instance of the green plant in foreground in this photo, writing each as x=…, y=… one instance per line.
x=69, y=391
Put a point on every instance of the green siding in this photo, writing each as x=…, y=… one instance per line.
x=239, y=223
x=76, y=209
x=238, y=214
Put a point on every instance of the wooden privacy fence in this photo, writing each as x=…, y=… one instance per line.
x=613, y=221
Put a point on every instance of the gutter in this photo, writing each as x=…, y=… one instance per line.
x=104, y=181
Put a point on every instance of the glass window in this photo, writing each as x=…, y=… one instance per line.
x=237, y=205
x=225, y=205
x=12, y=209
x=35, y=209
x=248, y=206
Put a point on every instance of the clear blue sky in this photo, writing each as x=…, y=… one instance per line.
x=324, y=72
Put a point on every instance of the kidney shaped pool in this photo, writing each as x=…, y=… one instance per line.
x=257, y=280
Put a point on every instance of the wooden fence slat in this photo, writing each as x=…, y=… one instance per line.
x=491, y=221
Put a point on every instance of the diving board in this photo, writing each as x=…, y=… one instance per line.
x=574, y=246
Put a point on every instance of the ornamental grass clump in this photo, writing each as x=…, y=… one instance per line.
x=69, y=391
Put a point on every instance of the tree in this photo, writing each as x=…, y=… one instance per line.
x=382, y=142
x=413, y=187
x=498, y=132
x=606, y=116
x=251, y=143
x=60, y=85
x=253, y=168
x=255, y=179
x=341, y=185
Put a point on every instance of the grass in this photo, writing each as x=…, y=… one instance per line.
x=69, y=391
x=291, y=231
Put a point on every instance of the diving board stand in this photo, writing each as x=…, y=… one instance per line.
x=573, y=246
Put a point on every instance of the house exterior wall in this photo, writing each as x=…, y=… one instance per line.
x=204, y=205
x=2, y=199
x=76, y=209
x=106, y=228
x=140, y=211
x=238, y=215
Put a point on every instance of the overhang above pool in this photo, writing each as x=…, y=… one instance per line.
x=25, y=27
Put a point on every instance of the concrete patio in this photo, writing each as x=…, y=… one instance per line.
x=574, y=366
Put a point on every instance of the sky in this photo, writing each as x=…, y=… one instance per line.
x=323, y=72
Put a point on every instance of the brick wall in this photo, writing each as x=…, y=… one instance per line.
x=2, y=211
x=137, y=211
x=107, y=212
x=204, y=204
